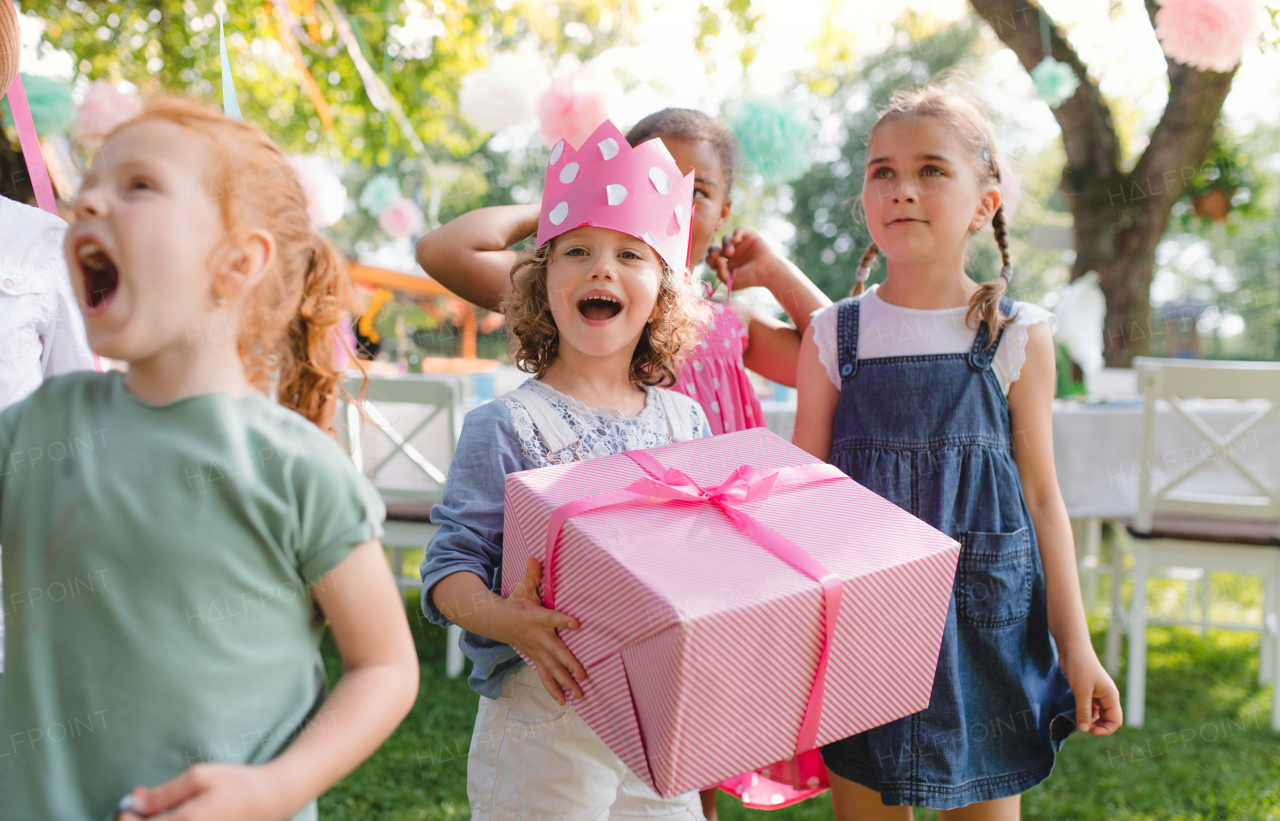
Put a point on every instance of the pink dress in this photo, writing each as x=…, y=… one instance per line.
x=715, y=377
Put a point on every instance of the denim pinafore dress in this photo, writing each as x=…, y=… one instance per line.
x=931, y=434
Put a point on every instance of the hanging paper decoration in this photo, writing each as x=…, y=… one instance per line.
x=326, y=195
x=403, y=218
x=32, y=155
x=1010, y=189
x=1081, y=311
x=1055, y=82
x=573, y=105
x=504, y=93
x=230, y=103
x=52, y=109
x=379, y=194
x=284, y=33
x=104, y=108
x=774, y=135
x=1211, y=35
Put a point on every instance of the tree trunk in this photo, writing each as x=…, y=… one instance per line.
x=1119, y=217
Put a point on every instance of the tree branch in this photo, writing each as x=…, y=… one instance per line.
x=1088, y=130
x=1180, y=141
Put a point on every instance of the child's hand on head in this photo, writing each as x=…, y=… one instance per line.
x=209, y=792
x=1097, y=698
x=535, y=636
x=744, y=257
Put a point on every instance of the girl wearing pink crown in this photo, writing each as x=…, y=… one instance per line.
x=601, y=313
x=470, y=256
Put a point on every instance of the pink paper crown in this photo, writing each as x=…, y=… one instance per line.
x=607, y=183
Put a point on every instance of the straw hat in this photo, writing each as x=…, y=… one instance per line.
x=10, y=44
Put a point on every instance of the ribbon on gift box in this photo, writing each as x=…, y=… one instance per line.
x=746, y=484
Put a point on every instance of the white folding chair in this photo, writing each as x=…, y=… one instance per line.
x=409, y=495
x=1236, y=532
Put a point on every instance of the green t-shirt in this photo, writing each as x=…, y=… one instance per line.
x=158, y=565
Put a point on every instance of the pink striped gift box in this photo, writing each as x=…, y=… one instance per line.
x=702, y=646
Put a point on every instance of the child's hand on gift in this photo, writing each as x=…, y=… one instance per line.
x=209, y=791
x=1097, y=698
x=746, y=258
x=533, y=632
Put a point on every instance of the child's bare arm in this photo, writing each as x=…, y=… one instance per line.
x=773, y=346
x=471, y=255
x=377, y=689
x=816, y=402
x=520, y=621
x=1031, y=419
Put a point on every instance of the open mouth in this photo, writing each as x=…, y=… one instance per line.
x=599, y=308
x=100, y=275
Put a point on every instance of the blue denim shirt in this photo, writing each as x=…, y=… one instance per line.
x=499, y=438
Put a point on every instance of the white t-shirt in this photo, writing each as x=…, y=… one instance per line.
x=41, y=330
x=891, y=330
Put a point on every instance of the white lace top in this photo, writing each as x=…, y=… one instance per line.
x=891, y=330
x=600, y=431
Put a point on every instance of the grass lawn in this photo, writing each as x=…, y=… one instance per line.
x=1207, y=751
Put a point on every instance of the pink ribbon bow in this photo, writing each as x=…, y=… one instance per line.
x=746, y=484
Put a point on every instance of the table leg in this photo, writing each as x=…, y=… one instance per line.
x=1115, y=624
x=1136, y=695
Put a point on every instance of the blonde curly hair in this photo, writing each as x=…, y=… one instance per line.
x=663, y=344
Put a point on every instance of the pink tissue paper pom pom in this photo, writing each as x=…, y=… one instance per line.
x=571, y=107
x=402, y=218
x=1211, y=35
x=104, y=108
x=326, y=195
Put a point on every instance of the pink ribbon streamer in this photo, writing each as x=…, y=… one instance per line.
x=746, y=484
x=31, y=147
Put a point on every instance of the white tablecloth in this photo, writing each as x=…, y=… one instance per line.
x=1098, y=448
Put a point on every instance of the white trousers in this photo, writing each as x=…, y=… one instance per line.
x=533, y=760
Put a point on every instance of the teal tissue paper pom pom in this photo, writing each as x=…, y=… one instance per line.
x=379, y=193
x=774, y=136
x=52, y=109
x=1055, y=82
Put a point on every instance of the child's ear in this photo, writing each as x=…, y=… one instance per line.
x=249, y=264
x=725, y=211
x=987, y=206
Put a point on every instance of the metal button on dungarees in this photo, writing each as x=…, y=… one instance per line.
x=846, y=369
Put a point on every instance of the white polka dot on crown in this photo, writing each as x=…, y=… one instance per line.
x=569, y=173
x=615, y=193
x=651, y=240
x=556, y=152
x=715, y=406
x=558, y=213
x=682, y=216
x=660, y=181
x=608, y=148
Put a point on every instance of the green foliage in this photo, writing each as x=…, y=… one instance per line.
x=1231, y=167
x=829, y=237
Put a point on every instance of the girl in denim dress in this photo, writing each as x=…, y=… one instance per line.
x=936, y=392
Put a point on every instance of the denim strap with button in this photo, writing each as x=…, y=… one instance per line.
x=847, y=337
x=980, y=356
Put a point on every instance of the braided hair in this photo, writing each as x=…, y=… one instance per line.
x=969, y=120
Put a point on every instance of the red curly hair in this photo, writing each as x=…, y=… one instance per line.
x=287, y=335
